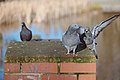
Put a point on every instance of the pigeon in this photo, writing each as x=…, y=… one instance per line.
x=25, y=34
x=91, y=35
x=71, y=38
x=90, y=42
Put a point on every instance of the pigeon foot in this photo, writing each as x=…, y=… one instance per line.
x=74, y=54
x=67, y=53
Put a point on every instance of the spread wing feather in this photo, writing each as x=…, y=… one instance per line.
x=98, y=28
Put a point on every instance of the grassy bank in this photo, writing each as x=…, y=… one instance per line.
x=39, y=11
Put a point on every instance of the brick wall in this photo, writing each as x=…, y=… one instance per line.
x=57, y=68
x=50, y=71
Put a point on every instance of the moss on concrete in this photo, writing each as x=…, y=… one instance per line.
x=43, y=51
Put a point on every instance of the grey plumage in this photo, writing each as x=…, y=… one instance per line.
x=88, y=36
x=98, y=28
x=71, y=38
x=25, y=34
x=91, y=35
x=77, y=36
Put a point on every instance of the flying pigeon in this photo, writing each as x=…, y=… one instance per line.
x=91, y=35
x=71, y=38
x=25, y=34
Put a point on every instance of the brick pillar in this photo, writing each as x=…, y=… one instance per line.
x=46, y=60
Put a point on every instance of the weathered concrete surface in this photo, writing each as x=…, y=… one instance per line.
x=43, y=51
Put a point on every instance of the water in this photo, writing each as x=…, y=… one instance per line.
x=53, y=33
x=1, y=75
x=2, y=71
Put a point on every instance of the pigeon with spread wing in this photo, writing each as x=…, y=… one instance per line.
x=91, y=35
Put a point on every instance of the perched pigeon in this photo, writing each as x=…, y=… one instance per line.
x=90, y=42
x=71, y=38
x=25, y=34
x=91, y=35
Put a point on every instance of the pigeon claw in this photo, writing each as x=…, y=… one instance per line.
x=67, y=53
x=74, y=54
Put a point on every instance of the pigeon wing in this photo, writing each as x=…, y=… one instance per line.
x=98, y=28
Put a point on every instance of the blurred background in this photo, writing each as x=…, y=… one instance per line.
x=49, y=19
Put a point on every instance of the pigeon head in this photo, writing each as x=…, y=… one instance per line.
x=87, y=30
x=23, y=24
x=74, y=27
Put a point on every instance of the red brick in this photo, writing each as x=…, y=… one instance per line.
x=87, y=77
x=6, y=77
x=11, y=67
x=40, y=67
x=59, y=77
x=13, y=77
x=78, y=67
